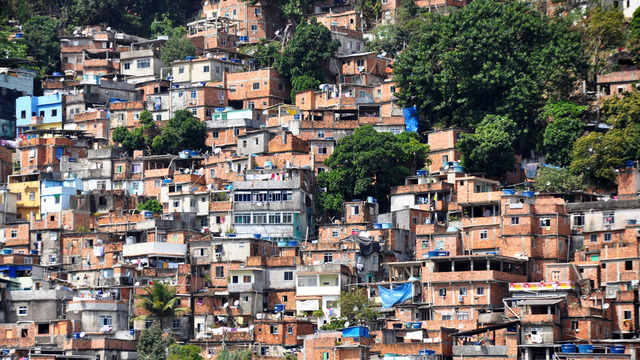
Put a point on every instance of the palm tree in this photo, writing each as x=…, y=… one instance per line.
x=159, y=301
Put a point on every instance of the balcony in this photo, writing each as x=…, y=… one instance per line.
x=540, y=318
x=154, y=248
x=476, y=275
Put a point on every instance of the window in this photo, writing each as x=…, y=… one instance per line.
x=288, y=276
x=555, y=275
x=335, y=233
x=462, y=315
x=246, y=279
x=206, y=68
x=258, y=11
x=355, y=210
x=628, y=265
x=54, y=112
x=254, y=28
x=193, y=94
x=320, y=134
x=463, y=291
x=242, y=218
x=194, y=112
x=287, y=218
x=328, y=257
x=260, y=218
x=289, y=330
x=447, y=316
x=43, y=329
x=14, y=234
x=175, y=324
x=322, y=149
x=280, y=87
x=627, y=315
x=574, y=325
x=515, y=220
x=136, y=168
x=442, y=292
x=119, y=169
x=287, y=195
x=144, y=64
x=273, y=329
x=22, y=311
x=545, y=222
x=127, y=66
x=219, y=272
x=181, y=70
x=106, y=321
x=480, y=291
x=578, y=220
x=32, y=196
x=251, y=104
x=245, y=298
x=275, y=218
x=593, y=238
x=606, y=237
x=608, y=218
x=360, y=62
x=484, y=234
x=256, y=86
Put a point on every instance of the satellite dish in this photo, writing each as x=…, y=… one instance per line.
x=346, y=324
x=217, y=151
x=226, y=305
x=461, y=326
x=137, y=283
x=606, y=306
x=49, y=169
x=82, y=334
x=109, y=28
x=236, y=303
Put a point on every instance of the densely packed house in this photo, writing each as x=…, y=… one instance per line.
x=460, y=266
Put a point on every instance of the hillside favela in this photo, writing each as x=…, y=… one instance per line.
x=319, y=179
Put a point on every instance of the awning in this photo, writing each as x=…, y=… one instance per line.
x=307, y=305
x=415, y=335
x=530, y=302
x=221, y=293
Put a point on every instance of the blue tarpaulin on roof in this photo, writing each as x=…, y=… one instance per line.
x=355, y=331
x=396, y=295
x=410, y=118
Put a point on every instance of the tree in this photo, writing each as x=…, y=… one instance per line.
x=176, y=48
x=184, y=352
x=8, y=48
x=293, y=10
x=604, y=30
x=368, y=163
x=499, y=58
x=307, y=53
x=152, y=345
x=303, y=82
x=159, y=301
x=245, y=354
x=564, y=128
x=42, y=42
x=152, y=205
x=265, y=54
x=354, y=306
x=490, y=149
x=633, y=36
x=557, y=180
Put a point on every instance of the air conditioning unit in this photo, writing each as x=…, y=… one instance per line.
x=218, y=256
x=344, y=247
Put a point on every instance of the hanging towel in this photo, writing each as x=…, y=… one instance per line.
x=98, y=251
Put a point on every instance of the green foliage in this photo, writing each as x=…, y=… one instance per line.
x=152, y=205
x=597, y=155
x=303, y=82
x=354, y=306
x=15, y=49
x=306, y=54
x=334, y=324
x=604, y=30
x=562, y=132
x=264, y=53
x=177, y=48
x=42, y=42
x=368, y=163
x=291, y=9
x=491, y=57
x=183, y=131
x=159, y=301
x=557, y=180
x=246, y=354
x=184, y=352
x=152, y=345
x=490, y=149
x=370, y=9
x=633, y=36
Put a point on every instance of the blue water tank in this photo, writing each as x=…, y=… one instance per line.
x=189, y=58
x=278, y=307
x=585, y=349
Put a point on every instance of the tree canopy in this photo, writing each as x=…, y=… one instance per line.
x=490, y=149
x=176, y=48
x=152, y=345
x=565, y=126
x=152, y=205
x=489, y=58
x=160, y=301
x=557, y=180
x=354, y=307
x=369, y=163
x=305, y=55
x=184, y=352
x=182, y=132
x=42, y=42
